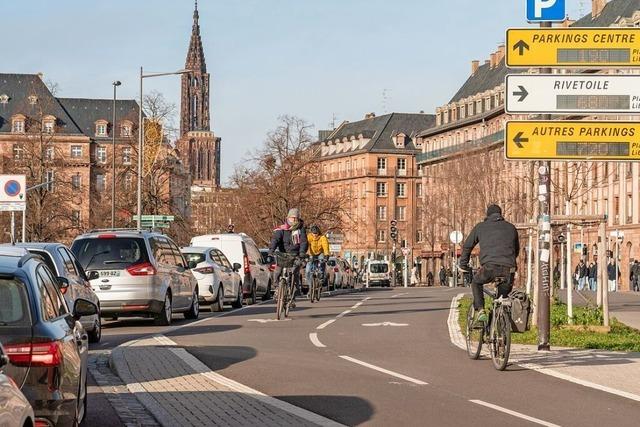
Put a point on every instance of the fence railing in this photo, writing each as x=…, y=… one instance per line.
x=465, y=146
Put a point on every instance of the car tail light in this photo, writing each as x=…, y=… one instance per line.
x=204, y=270
x=42, y=354
x=336, y=269
x=143, y=269
x=106, y=236
x=272, y=268
x=41, y=422
x=247, y=269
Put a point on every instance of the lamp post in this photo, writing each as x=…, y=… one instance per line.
x=113, y=157
x=141, y=136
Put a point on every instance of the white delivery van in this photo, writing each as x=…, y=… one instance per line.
x=379, y=273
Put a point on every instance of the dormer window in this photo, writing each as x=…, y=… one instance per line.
x=17, y=124
x=4, y=98
x=33, y=100
x=399, y=140
x=126, y=129
x=101, y=128
x=49, y=124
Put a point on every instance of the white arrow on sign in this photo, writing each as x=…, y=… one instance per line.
x=572, y=94
x=385, y=324
x=266, y=320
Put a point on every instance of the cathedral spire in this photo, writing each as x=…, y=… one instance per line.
x=195, y=55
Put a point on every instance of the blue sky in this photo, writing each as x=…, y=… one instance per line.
x=309, y=58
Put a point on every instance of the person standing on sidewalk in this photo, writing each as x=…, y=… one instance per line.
x=635, y=270
x=593, y=275
x=442, y=276
x=612, y=273
x=429, y=278
x=582, y=273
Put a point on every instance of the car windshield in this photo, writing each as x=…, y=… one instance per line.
x=379, y=268
x=109, y=254
x=14, y=308
x=194, y=257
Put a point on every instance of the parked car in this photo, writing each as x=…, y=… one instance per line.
x=63, y=264
x=348, y=278
x=46, y=344
x=15, y=409
x=335, y=273
x=240, y=248
x=138, y=273
x=271, y=262
x=218, y=280
x=379, y=273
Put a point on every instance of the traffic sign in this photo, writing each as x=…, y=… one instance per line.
x=572, y=140
x=13, y=192
x=546, y=10
x=455, y=237
x=572, y=94
x=406, y=251
x=573, y=47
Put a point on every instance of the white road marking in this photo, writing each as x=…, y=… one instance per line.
x=206, y=319
x=325, y=324
x=357, y=305
x=384, y=371
x=313, y=336
x=266, y=320
x=385, y=324
x=344, y=313
x=514, y=413
x=397, y=295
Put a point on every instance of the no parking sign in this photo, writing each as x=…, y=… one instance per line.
x=13, y=190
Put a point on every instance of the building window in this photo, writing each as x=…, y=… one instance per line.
x=101, y=154
x=101, y=129
x=17, y=126
x=76, y=151
x=49, y=154
x=126, y=155
x=382, y=165
x=381, y=235
x=403, y=243
x=401, y=188
x=401, y=213
x=49, y=178
x=381, y=189
x=4, y=98
x=128, y=181
x=48, y=126
x=33, y=100
x=101, y=182
x=402, y=166
x=381, y=213
x=76, y=181
x=419, y=189
x=18, y=152
x=75, y=218
x=419, y=236
x=125, y=130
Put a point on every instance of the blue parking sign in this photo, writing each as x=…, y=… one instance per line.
x=546, y=10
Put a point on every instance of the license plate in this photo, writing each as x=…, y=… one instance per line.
x=109, y=273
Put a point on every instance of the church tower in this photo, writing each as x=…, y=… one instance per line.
x=198, y=146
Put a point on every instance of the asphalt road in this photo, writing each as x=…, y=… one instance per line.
x=358, y=370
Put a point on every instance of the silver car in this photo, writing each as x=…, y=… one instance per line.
x=15, y=410
x=68, y=270
x=138, y=273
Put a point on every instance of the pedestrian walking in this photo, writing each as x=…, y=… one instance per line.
x=635, y=269
x=582, y=274
x=612, y=274
x=593, y=276
x=429, y=278
x=442, y=275
x=414, y=276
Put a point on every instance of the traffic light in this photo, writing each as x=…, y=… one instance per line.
x=394, y=230
x=561, y=238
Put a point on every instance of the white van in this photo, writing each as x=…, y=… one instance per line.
x=378, y=273
x=240, y=248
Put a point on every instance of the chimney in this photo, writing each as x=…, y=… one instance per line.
x=486, y=61
x=500, y=53
x=596, y=7
x=474, y=66
x=369, y=115
x=40, y=75
x=493, y=60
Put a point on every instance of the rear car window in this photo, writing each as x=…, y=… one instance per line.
x=194, y=257
x=14, y=304
x=379, y=268
x=331, y=262
x=111, y=253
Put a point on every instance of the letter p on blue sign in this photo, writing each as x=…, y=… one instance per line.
x=546, y=10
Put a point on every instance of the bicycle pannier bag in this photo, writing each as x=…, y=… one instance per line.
x=520, y=311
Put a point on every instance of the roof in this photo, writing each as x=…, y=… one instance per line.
x=611, y=14
x=19, y=87
x=382, y=129
x=85, y=112
x=485, y=78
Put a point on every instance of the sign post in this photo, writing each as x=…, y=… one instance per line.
x=13, y=189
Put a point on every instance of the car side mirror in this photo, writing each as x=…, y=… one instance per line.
x=82, y=308
x=4, y=359
x=63, y=284
x=192, y=265
x=236, y=267
x=93, y=275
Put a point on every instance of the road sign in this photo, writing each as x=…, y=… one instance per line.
x=455, y=237
x=13, y=192
x=157, y=218
x=572, y=140
x=572, y=94
x=406, y=251
x=573, y=47
x=335, y=248
x=546, y=10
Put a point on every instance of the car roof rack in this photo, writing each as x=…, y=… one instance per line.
x=103, y=230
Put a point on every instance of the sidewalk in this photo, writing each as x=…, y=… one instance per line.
x=614, y=372
x=178, y=390
x=625, y=306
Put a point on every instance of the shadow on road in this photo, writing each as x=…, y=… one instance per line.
x=201, y=329
x=348, y=410
x=221, y=357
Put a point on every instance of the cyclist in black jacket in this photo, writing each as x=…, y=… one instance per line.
x=499, y=248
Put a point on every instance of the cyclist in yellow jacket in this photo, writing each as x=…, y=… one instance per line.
x=318, y=250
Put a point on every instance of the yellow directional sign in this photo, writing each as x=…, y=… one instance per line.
x=572, y=140
x=573, y=47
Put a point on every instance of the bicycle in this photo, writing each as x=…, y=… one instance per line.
x=286, y=287
x=317, y=277
x=496, y=332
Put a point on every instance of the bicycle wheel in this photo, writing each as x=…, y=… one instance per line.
x=312, y=289
x=474, y=336
x=281, y=299
x=288, y=299
x=318, y=289
x=501, y=341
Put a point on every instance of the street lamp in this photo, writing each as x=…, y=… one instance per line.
x=113, y=157
x=141, y=136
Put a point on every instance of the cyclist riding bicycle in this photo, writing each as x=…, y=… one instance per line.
x=290, y=238
x=499, y=248
x=318, y=250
